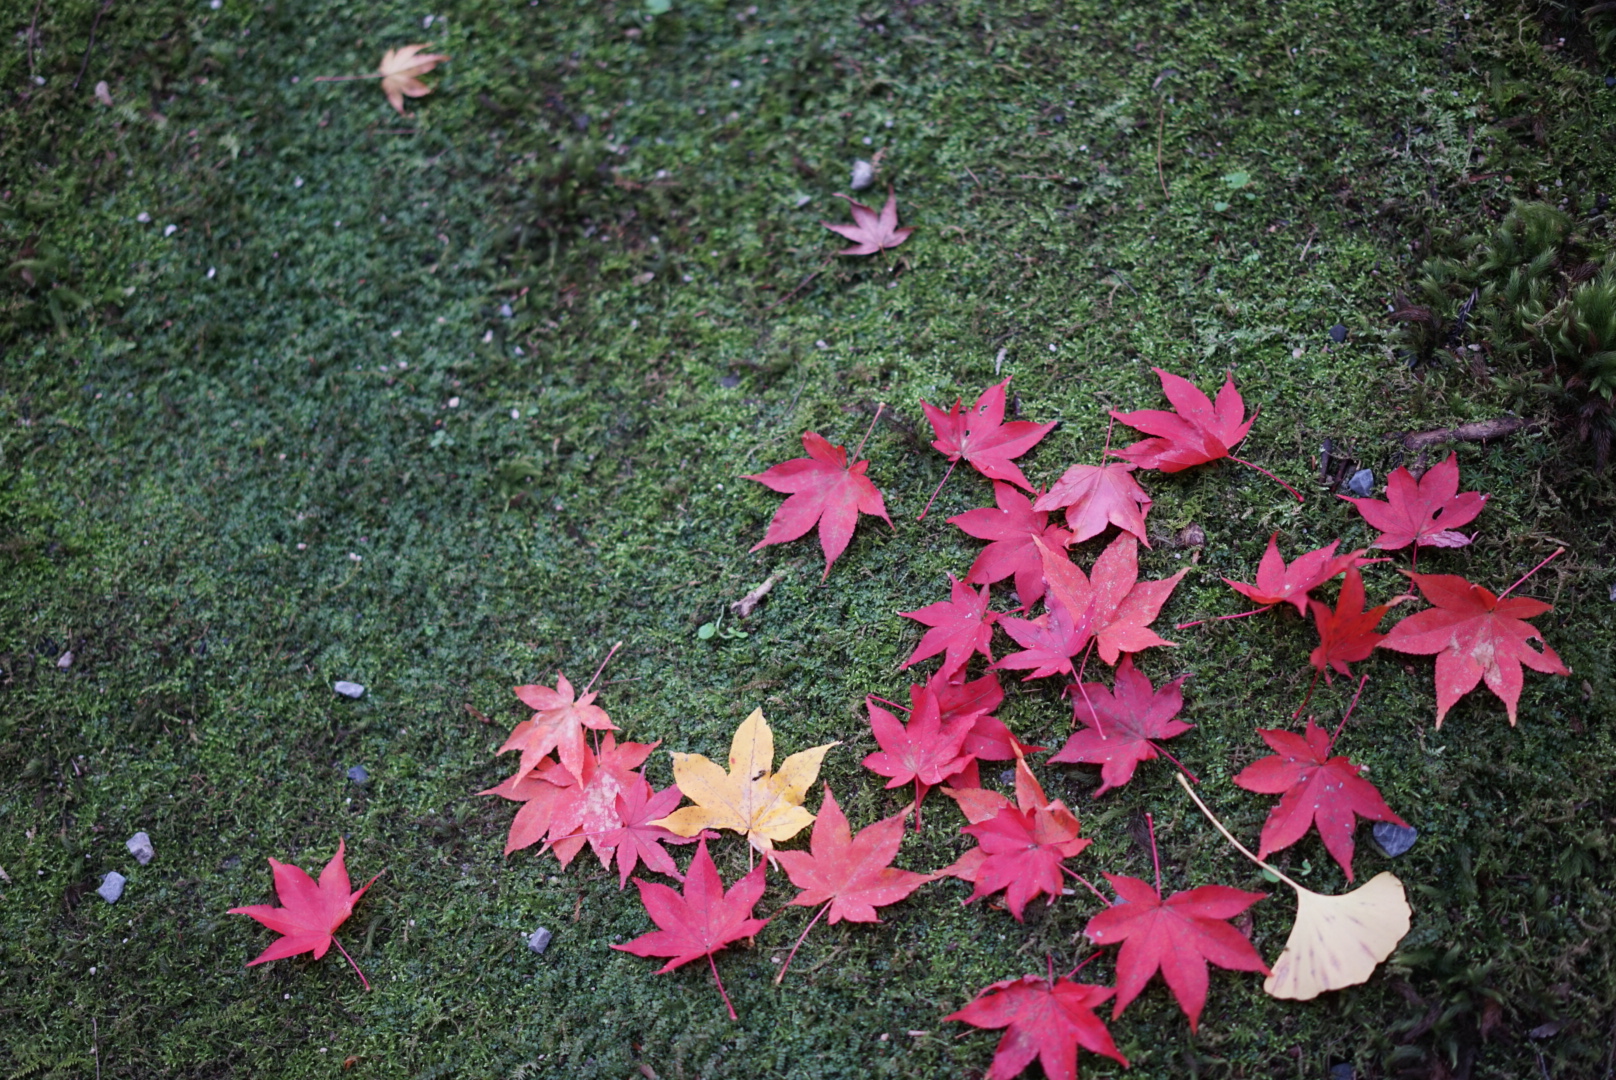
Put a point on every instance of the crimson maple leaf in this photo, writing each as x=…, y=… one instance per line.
x=1121, y=725
x=823, y=489
x=557, y=724
x=1316, y=789
x=539, y=792
x=960, y=626
x=1425, y=512
x=1177, y=937
x=1048, y=643
x=1475, y=635
x=703, y=920
x=925, y=752
x=1281, y=584
x=309, y=914
x=634, y=838
x=988, y=739
x=981, y=437
x=1047, y=1018
x=1346, y=634
x=871, y=232
x=1097, y=496
x=1011, y=527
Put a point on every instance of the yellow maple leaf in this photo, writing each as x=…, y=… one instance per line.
x=399, y=68
x=748, y=799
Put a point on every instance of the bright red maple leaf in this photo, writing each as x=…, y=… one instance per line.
x=1011, y=527
x=539, y=792
x=960, y=626
x=981, y=437
x=1120, y=726
x=925, y=752
x=703, y=920
x=1194, y=433
x=1177, y=937
x=1315, y=789
x=557, y=724
x=824, y=489
x=1047, y=1018
x=1123, y=607
x=634, y=838
x=1475, y=636
x=309, y=914
x=1346, y=634
x=852, y=874
x=1281, y=584
x=871, y=232
x=989, y=739
x=1048, y=643
x=1096, y=496
x=1425, y=512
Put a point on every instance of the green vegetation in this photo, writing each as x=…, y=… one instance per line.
x=444, y=403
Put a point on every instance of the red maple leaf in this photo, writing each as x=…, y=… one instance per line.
x=1423, y=512
x=1177, y=937
x=1475, y=635
x=703, y=920
x=557, y=724
x=1011, y=527
x=989, y=739
x=1048, y=643
x=539, y=792
x=1316, y=789
x=960, y=626
x=1121, y=725
x=823, y=489
x=981, y=437
x=1281, y=584
x=925, y=752
x=309, y=914
x=1346, y=634
x=871, y=232
x=1047, y=1018
x=634, y=838
x=1096, y=496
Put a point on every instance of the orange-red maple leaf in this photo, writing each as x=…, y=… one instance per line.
x=1425, y=512
x=1047, y=1019
x=1281, y=584
x=1347, y=633
x=1194, y=433
x=853, y=875
x=309, y=914
x=824, y=489
x=1097, y=496
x=1177, y=936
x=557, y=724
x=981, y=437
x=1476, y=636
x=1010, y=527
x=871, y=232
x=1121, y=726
x=960, y=626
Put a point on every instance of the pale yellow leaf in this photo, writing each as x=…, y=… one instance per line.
x=399, y=68
x=1337, y=941
x=748, y=799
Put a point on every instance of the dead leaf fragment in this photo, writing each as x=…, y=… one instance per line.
x=1338, y=940
x=399, y=68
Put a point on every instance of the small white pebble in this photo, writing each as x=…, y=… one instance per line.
x=735, y=84
x=211, y=272
x=396, y=333
x=286, y=997
x=454, y=403
x=355, y=558
x=92, y=971
x=302, y=547
x=143, y=217
x=297, y=182
x=403, y=364
x=339, y=225
x=1052, y=347
x=688, y=279
x=171, y=230
x=488, y=337
x=516, y=414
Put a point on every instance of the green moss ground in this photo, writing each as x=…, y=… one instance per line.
x=231, y=476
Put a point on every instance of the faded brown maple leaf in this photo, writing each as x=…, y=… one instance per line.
x=399, y=68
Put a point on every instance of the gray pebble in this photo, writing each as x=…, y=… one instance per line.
x=350, y=690
x=539, y=940
x=1393, y=839
x=111, y=886
x=65, y=661
x=1342, y=1071
x=863, y=174
x=1613, y=592
x=1362, y=483
x=1008, y=776
x=1338, y=333
x=505, y=311
x=140, y=847
x=358, y=774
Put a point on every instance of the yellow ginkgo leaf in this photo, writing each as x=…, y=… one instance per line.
x=1338, y=940
x=399, y=68
x=748, y=799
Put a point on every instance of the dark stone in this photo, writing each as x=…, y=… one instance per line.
x=358, y=774
x=1342, y=1071
x=1393, y=839
x=1338, y=333
x=730, y=382
x=1362, y=483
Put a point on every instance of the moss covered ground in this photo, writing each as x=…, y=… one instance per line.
x=297, y=390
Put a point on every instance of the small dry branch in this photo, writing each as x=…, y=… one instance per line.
x=1478, y=431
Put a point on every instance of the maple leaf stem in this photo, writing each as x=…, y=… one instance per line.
x=940, y=484
x=1089, y=885
x=1238, y=846
x=1271, y=476
x=1093, y=956
x=1083, y=665
x=1163, y=752
x=878, y=407
x=1308, y=696
x=894, y=704
x=1347, y=715
x=350, y=960
x=1557, y=553
x=1155, y=858
x=721, y=991
x=918, y=796
x=822, y=909
x=602, y=667
x=1224, y=618
x=347, y=78
x=1107, y=449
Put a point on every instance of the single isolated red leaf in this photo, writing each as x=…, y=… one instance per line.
x=1347, y=634
x=1011, y=527
x=557, y=724
x=1315, y=789
x=1475, y=636
x=1422, y=512
x=1096, y=496
x=824, y=489
x=1048, y=1019
x=1120, y=725
x=1194, y=433
x=853, y=874
x=989, y=739
x=981, y=437
x=925, y=752
x=1281, y=584
x=960, y=626
x=871, y=232
x=1177, y=937
x=309, y=914
x=703, y=920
